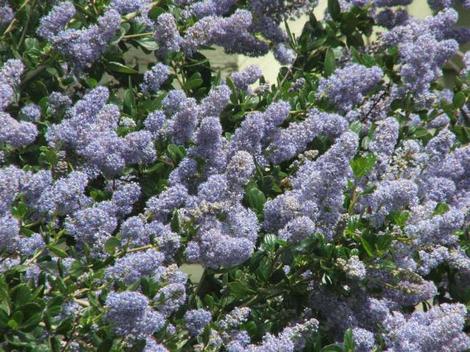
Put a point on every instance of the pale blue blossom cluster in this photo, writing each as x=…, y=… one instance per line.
x=196, y=320
x=424, y=47
x=321, y=186
x=81, y=46
x=246, y=77
x=30, y=112
x=13, y=132
x=348, y=86
x=155, y=77
x=6, y=13
x=126, y=6
x=234, y=31
x=289, y=340
x=131, y=316
x=91, y=130
x=314, y=204
x=419, y=331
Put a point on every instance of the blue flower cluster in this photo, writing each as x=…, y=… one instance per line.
x=82, y=46
x=332, y=206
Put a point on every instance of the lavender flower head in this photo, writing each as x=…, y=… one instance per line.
x=17, y=134
x=154, y=78
x=126, y=6
x=31, y=112
x=152, y=346
x=363, y=340
x=66, y=195
x=6, y=13
x=466, y=61
x=196, y=320
x=58, y=101
x=438, y=329
x=10, y=76
x=134, y=266
x=284, y=54
x=56, y=20
x=232, y=33
x=348, y=86
x=85, y=46
x=166, y=34
x=246, y=77
x=172, y=103
x=130, y=315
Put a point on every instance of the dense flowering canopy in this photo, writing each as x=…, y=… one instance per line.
x=327, y=212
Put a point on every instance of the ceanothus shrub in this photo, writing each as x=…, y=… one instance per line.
x=328, y=211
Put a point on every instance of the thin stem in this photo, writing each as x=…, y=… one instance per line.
x=138, y=35
x=13, y=21
x=282, y=83
x=140, y=248
x=175, y=68
x=67, y=342
x=33, y=258
x=82, y=302
x=375, y=103
x=23, y=5
x=460, y=54
x=353, y=200
x=132, y=15
x=32, y=74
x=28, y=20
x=10, y=27
x=454, y=66
x=201, y=280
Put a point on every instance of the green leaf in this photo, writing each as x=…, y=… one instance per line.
x=128, y=101
x=239, y=289
x=356, y=127
x=332, y=348
x=356, y=55
x=21, y=295
x=148, y=44
x=91, y=82
x=54, y=344
x=367, y=246
x=362, y=165
x=459, y=100
x=400, y=218
x=12, y=324
x=32, y=322
x=31, y=43
x=20, y=210
x=383, y=243
x=334, y=9
x=348, y=341
x=48, y=156
x=441, y=208
x=330, y=62
x=422, y=134
x=158, y=167
x=4, y=317
x=256, y=199
x=195, y=81
x=105, y=345
x=57, y=251
x=176, y=153
x=149, y=287
x=121, y=68
x=264, y=268
x=65, y=326
x=111, y=244
x=462, y=133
